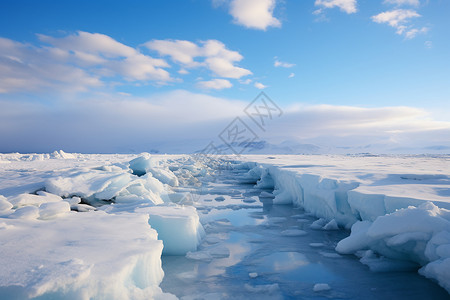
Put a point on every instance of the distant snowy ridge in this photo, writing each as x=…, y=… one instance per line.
x=396, y=231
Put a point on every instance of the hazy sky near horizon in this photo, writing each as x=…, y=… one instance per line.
x=103, y=76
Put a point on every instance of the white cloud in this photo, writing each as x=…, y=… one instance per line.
x=395, y=18
x=112, y=123
x=402, y=2
x=346, y=126
x=214, y=84
x=291, y=75
x=413, y=32
x=348, y=6
x=400, y=20
x=428, y=44
x=76, y=62
x=246, y=81
x=259, y=85
x=256, y=14
x=278, y=63
x=99, y=50
x=211, y=54
x=180, y=51
x=83, y=61
x=25, y=67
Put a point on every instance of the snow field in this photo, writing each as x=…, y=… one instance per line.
x=393, y=226
x=56, y=243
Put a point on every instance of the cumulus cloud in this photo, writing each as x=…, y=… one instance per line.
x=348, y=6
x=214, y=84
x=255, y=14
x=282, y=64
x=109, y=56
x=411, y=33
x=75, y=62
x=395, y=18
x=400, y=20
x=259, y=85
x=180, y=51
x=24, y=67
x=211, y=54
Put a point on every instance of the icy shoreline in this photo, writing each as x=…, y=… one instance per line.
x=397, y=208
x=83, y=226
x=388, y=230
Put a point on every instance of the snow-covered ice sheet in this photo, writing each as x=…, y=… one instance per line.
x=398, y=205
x=90, y=226
x=81, y=256
x=79, y=226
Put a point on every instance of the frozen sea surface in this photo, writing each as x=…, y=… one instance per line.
x=76, y=226
x=245, y=255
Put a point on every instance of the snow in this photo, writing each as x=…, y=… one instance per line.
x=416, y=236
x=79, y=257
x=84, y=226
x=400, y=216
x=52, y=210
x=5, y=205
x=58, y=241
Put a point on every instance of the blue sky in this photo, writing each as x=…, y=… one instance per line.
x=84, y=59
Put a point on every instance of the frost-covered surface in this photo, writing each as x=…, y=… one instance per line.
x=90, y=226
x=83, y=226
x=397, y=206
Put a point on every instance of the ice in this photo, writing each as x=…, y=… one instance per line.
x=178, y=227
x=318, y=224
x=94, y=185
x=25, y=212
x=262, y=288
x=85, y=255
x=330, y=254
x=31, y=199
x=199, y=255
x=332, y=225
x=96, y=226
x=388, y=208
x=418, y=236
x=4, y=204
x=52, y=210
x=438, y=270
x=249, y=200
x=142, y=164
x=219, y=252
x=383, y=264
x=319, y=287
x=293, y=232
x=60, y=154
x=146, y=164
